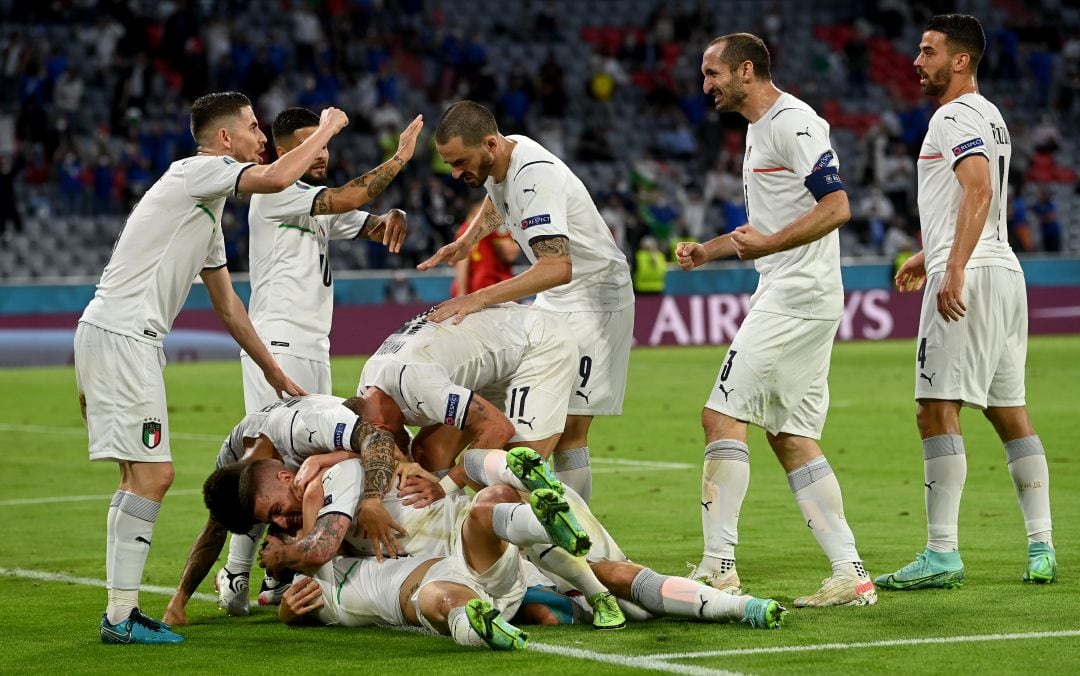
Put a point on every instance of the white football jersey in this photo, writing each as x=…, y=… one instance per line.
x=362, y=592
x=966, y=126
x=789, y=165
x=292, y=294
x=298, y=427
x=431, y=369
x=541, y=197
x=171, y=235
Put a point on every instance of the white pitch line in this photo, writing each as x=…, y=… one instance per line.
x=92, y=582
x=81, y=498
x=81, y=431
x=564, y=651
x=633, y=661
x=650, y=464
x=981, y=638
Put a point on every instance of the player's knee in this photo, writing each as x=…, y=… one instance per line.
x=934, y=419
x=493, y=495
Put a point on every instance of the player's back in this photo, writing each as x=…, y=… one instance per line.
x=171, y=235
x=485, y=347
x=278, y=423
x=966, y=126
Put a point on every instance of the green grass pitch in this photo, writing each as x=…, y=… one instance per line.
x=652, y=509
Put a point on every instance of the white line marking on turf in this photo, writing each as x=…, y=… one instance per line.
x=650, y=464
x=92, y=582
x=81, y=498
x=643, y=662
x=634, y=661
x=868, y=644
x=81, y=431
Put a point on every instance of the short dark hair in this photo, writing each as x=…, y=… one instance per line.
x=210, y=108
x=292, y=119
x=221, y=495
x=742, y=47
x=963, y=33
x=467, y=119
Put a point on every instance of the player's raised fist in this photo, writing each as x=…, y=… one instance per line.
x=334, y=118
x=689, y=255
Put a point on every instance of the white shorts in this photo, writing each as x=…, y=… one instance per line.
x=121, y=380
x=776, y=374
x=604, y=340
x=502, y=585
x=534, y=398
x=979, y=360
x=360, y=592
x=313, y=376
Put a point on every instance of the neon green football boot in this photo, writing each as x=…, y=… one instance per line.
x=929, y=570
x=527, y=465
x=607, y=614
x=764, y=614
x=492, y=628
x=560, y=523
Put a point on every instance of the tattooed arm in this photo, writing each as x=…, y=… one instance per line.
x=552, y=268
x=489, y=425
x=200, y=560
x=486, y=221
x=359, y=191
x=309, y=552
x=378, y=454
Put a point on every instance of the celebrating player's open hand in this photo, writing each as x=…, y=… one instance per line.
x=303, y=596
x=334, y=118
x=458, y=308
x=308, y=471
x=912, y=274
x=749, y=243
x=283, y=384
x=375, y=523
x=690, y=255
x=420, y=491
x=407, y=141
x=450, y=253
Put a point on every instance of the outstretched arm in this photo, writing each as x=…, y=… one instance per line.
x=200, y=560
x=287, y=169
x=359, y=191
x=487, y=220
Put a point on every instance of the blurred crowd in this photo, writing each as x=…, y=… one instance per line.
x=94, y=98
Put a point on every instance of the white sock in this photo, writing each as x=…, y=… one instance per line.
x=110, y=536
x=945, y=469
x=1031, y=477
x=487, y=467
x=724, y=480
x=574, y=569
x=817, y=492
x=133, y=532
x=242, y=549
x=515, y=523
x=680, y=597
x=573, y=468
x=460, y=629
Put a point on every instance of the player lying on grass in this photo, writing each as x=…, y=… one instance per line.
x=461, y=377
x=307, y=433
x=479, y=572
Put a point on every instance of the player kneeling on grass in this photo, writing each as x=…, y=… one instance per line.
x=310, y=433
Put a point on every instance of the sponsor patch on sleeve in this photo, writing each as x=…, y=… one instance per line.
x=328, y=500
x=452, y=403
x=823, y=161
x=542, y=219
x=339, y=436
x=959, y=150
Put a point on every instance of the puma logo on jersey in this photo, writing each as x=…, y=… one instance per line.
x=527, y=190
x=726, y=391
x=928, y=378
x=950, y=117
x=804, y=133
x=701, y=610
x=583, y=395
x=808, y=524
x=523, y=421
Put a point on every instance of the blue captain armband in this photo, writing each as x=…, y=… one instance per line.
x=823, y=181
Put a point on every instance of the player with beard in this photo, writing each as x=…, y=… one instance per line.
x=172, y=235
x=292, y=295
x=972, y=342
x=775, y=373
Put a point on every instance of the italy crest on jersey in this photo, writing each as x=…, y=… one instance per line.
x=151, y=432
